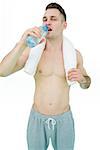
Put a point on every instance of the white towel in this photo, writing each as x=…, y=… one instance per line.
x=69, y=56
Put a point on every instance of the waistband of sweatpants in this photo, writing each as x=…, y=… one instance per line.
x=57, y=117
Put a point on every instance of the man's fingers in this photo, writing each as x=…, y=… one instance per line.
x=34, y=31
x=35, y=34
x=73, y=75
x=72, y=70
x=43, y=40
x=37, y=31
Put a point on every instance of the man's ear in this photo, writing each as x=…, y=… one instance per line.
x=65, y=25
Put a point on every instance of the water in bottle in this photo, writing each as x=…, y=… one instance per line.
x=32, y=41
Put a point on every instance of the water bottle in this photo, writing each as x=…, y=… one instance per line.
x=32, y=41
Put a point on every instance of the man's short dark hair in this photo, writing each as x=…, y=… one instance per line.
x=56, y=6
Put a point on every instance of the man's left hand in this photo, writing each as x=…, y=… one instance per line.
x=76, y=75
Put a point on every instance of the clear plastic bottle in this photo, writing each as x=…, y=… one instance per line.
x=32, y=41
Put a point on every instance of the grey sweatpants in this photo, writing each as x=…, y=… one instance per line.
x=60, y=128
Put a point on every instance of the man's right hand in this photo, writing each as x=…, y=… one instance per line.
x=35, y=31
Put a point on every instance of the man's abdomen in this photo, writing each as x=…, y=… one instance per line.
x=51, y=95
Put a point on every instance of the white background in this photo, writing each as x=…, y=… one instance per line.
x=17, y=90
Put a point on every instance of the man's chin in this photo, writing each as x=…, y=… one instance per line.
x=48, y=36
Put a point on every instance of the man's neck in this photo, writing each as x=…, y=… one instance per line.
x=54, y=44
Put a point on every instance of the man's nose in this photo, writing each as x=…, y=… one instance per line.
x=48, y=22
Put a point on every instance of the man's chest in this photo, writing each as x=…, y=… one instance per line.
x=51, y=62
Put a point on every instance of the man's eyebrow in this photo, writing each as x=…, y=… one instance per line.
x=50, y=17
x=53, y=16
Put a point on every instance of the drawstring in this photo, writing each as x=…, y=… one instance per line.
x=53, y=122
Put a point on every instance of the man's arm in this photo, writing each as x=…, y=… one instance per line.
x=79, y=74
x=86, y=81
x=16, y=59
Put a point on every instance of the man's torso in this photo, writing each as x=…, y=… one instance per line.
x=51, y=89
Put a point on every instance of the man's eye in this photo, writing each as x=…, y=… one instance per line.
x=44, y=20
x=54, y=19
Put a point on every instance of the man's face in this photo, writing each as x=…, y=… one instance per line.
x=55, y=21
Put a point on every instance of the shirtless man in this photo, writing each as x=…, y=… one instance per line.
x=51, y=116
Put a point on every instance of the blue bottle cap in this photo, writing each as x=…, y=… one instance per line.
x=45, y=28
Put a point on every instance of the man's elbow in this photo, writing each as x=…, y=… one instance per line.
x=87, y=84
x=3, y=75
x=83, y=86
